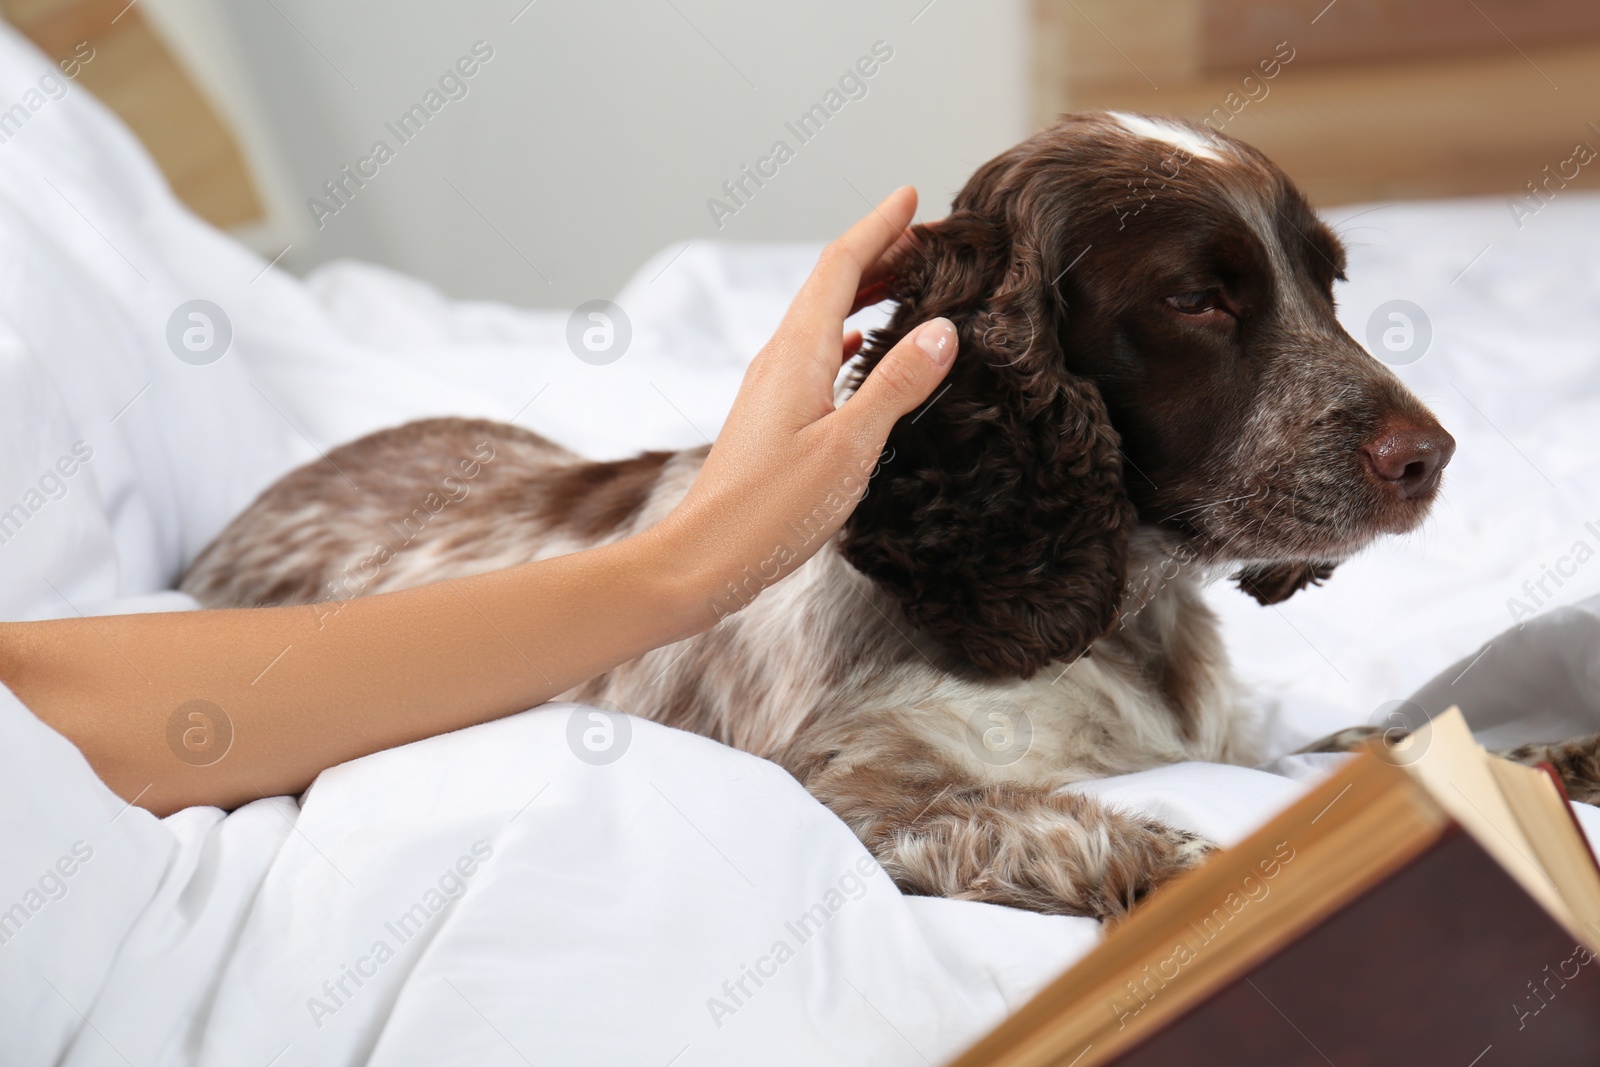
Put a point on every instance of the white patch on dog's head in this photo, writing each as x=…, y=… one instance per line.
x=1171, y=133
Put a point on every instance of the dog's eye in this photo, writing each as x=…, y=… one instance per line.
x=1199, y=303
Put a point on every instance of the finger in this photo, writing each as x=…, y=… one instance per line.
x=908, y=243
x=852, y=345
x=833, y=284
x=901, y=381
x=875, y=293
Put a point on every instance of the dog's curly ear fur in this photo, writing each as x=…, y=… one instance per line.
x=1273, y=583
x=997, y=518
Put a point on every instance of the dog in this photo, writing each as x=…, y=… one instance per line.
x=1152, y=390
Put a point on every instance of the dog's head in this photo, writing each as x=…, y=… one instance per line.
x=1147, y=330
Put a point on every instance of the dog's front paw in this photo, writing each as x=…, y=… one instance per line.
x=1191, y=850
x=1141, y=860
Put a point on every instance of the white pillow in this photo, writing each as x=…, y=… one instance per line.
x=118, y=460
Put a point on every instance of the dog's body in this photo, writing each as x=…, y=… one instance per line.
x=1149, y=393
x=877, y=721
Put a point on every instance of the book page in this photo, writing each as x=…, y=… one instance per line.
x=1454, y=769
x=1542, y=811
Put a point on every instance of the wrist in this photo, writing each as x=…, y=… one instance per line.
x=685, y=570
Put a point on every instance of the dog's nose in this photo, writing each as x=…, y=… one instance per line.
x=1409, y=457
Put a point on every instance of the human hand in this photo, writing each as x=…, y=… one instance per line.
x=788, y=467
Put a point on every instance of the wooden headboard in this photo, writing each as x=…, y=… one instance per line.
x=136, y=76
x=1377, y=99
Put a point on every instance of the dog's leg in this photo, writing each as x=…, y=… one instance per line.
x=1353, y=738
x=1005, y=843
x=1577, y=762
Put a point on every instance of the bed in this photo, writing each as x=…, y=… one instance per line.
x=487, y=896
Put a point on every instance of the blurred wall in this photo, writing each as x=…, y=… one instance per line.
x=590, y=135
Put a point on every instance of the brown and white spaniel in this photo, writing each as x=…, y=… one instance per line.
x=1152, y=390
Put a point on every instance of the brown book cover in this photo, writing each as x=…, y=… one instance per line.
x=1449, y=961
x=1443, y=910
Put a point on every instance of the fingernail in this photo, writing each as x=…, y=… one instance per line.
x=937, y=338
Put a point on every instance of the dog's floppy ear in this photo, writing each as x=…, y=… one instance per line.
x=997, y=517
x=1273, y=583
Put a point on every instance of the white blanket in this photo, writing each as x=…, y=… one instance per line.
x=489, y=897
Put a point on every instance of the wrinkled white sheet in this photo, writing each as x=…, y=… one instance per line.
x=575, y=913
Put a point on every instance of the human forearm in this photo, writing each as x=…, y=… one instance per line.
x=304, y=688
x=223, y=707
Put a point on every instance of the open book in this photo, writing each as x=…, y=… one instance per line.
x=1428, y=904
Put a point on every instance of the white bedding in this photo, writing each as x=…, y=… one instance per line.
x=573, y=913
